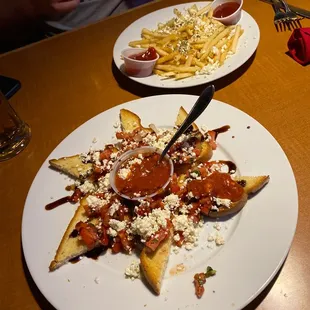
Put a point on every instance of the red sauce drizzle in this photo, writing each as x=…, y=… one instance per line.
x=57, y=203
x=225, y=9
x=150, y=54
x=145, y=178
x=75, y=197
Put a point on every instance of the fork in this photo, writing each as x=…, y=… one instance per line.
x=290, y=15
x=280, y=16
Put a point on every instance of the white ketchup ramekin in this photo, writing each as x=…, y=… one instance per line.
x=137, y=68
x=231, y=19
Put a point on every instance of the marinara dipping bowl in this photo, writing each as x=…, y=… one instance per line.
x=228, y=12
x=139, y=62
x=137, y=174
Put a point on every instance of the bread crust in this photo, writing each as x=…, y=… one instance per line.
x=71, y=165
x=154, y=264
x=69, y=247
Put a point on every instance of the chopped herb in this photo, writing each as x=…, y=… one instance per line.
x=210, y=272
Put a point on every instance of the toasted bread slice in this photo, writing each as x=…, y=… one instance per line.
x=154, y=264
x=72, y=165
x=205, y=148
x=206, y=152
x=130, y=121
x=233, y=208
x=250, y=186
x=181, y=118
x=70, y=247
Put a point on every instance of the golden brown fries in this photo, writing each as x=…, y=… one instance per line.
x=191, y=43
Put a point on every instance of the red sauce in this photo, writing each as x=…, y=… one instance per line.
x=75, y=197
x=57, y=203
x=145, y=178
x=225, y=9
x=150, y=54
x=217, y=184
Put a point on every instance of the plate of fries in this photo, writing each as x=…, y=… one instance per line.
x=259, y=235
x=193, y=47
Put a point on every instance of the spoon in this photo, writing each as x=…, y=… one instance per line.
x=199, y=106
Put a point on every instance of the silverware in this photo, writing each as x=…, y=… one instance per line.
x=289, y=14
x=279, y=16
x=200, y=105
x=295, y=9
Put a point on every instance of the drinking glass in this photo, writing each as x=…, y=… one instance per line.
x=15, y=134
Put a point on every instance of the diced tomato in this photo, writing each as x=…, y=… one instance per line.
x=212, y=142
x=88, y=210
x=158, y=237
x=126, y=243
x=106, y=219
x=76, y=196
x=194, y=212
x=124, y=135
x=120, y=135
x=156, y=204
x=97, y=170
x=197, y=151
x=80, y=225
x=116, y=246
x=105, y=216
x=203, y=172
x=205, y=209
x=199, y=281
x=205, y=205
x=104, y=240
x=106, y=153
x=88, y=233
x=174, y=188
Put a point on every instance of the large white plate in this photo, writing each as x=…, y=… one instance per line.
x=246, y=47
x=257, y=239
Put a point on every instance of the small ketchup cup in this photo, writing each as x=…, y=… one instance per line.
x=232, y=18
x=138, y=68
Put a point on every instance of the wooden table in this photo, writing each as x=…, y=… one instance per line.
x=70, y=78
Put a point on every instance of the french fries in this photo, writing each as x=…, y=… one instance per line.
x=191, y=43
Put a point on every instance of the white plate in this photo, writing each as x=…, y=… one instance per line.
x=257, y=239
x=246, y=47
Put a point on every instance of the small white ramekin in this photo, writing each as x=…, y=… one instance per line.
x=137, y=68
x=132, y=153
x=231, y=19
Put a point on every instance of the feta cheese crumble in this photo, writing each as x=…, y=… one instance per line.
x=133, y=270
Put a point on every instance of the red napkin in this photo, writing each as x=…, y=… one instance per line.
x=299, y=45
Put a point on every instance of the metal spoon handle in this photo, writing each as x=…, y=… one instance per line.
x=200, y=105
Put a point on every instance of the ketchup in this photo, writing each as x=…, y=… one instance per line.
x=150, y=54
x=225, y=9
